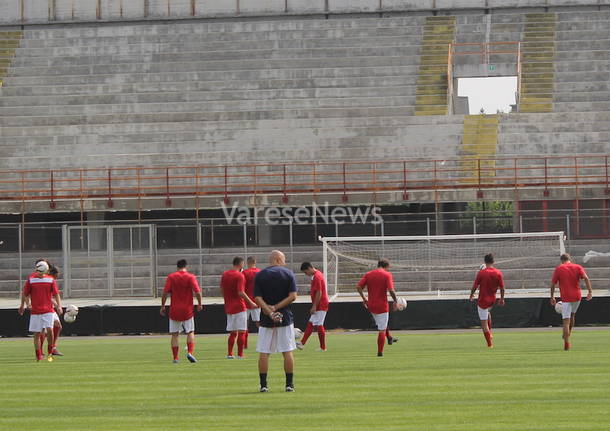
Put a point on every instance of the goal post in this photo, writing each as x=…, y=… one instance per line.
x=442, y=264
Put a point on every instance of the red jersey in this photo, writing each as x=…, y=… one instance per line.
x=40, y=289
x=488, y=280
x=568, y=275
x=181, y=285
x=378, y=282
x=319, y=285
x=250, y=273
x=231, y=283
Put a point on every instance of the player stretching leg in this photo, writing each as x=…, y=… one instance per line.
x=54, y=272
x=378, y=283
x=181, y=285
x=488, y=280
x=41, y=290
x=568, y=275
x=233, y=287
x=319, y=306
x=254, y=314
x=275, y=288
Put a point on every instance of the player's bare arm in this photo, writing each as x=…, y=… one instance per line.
x=472, y=291
x=589, y=289
x=292, y=296
x=199, y=301
x=364, y=300
x=24, y=299
x=57, y=304
x=552, y=300
x=268, y=310
x=163, y=300
x=316, y=301
x=501, y=302
x=246, y=298
x=394, y=298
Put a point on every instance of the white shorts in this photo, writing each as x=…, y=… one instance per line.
x=175, y=326
x=237, y=321
x=381, y=320
x=568, y=308
x=56, y=318
x=38, y=322
x=276, y=340
x=483, y=313
x=317, y=318
x=254, y=314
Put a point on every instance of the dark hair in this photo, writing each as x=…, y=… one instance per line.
x=181, y=263
x=251, y=260
x=565, y=257
x=489, y=258
x=42, y=259
x=238, y=260
x=383, y=263
x=53, y=271
x=306, y=265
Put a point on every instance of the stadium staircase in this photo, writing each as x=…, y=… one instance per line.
x=432, y=84
x=9, y=42
x=479, y=146
x=538, y=51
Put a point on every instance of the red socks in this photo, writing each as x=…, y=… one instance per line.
x=246, y=340
x=307, y=333
x=322, y=337
x=38, y=354
x=380, y=342
x=56, y=332
x=489, y=339
x=190, y=347
x=489, y=321
x=175, y=352
x=241, y=336
x=387, y=334
x=232, y=337
x=42, y=336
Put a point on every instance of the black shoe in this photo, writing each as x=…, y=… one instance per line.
x=56, y=352
x=263, y=389
x=392, y=340
x=289, y=388
x=379, y=354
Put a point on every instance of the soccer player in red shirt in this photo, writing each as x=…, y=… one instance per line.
x=319, y=306
x=378, y=283
x=488, y=281
x=568, y=275
x=253, y=313
x=40, y=289
x=181, y=285
x=233, y=287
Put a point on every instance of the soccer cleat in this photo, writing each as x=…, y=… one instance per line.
x=241, y=357
x=50, y=358
x=174, y=361
x=230, y=357
x=392, y=340
x=320, y=350
x=191, y=358
x=289, y=388
x=263, y=389
x=567, y=345
x=56, y=352
x=300, y=345
x=379, y=354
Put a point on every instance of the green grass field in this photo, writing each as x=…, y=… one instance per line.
x=427, y=381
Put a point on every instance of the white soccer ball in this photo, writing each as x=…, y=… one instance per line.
x=72, y=309
x=298, y=334
x=69, y=318
x=401, y=304
x=558, y=307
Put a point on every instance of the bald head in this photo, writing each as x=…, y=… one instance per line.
x=277, y=258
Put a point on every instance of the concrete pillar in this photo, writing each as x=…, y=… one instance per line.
x=263, y=231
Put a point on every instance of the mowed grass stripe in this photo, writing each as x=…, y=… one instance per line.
x=427, y=381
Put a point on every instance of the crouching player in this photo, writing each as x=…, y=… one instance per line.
x=41, y=290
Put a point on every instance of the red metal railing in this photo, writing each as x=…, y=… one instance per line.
x=314, y=178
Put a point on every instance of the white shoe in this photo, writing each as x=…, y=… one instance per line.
x=230, y=357
x=300, y=345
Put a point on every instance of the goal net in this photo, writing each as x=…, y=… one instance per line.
x=442, y=264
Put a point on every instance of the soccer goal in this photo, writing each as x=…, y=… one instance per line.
x=442, y=264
